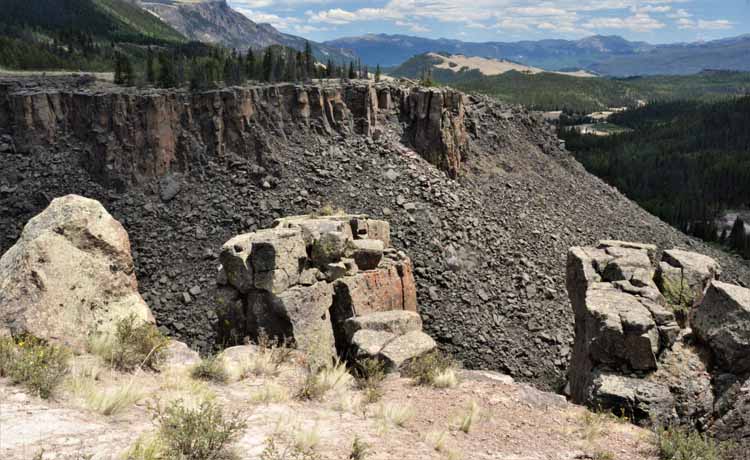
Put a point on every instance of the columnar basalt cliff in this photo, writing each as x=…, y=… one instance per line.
x=134, y=137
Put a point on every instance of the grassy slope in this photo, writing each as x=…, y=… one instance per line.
x=131, y=19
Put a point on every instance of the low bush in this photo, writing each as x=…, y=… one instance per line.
x=360, y=449
x=210, y=369
x=331, y=377
x=682, y=444
x=134, y=344
x=426, y=369
x=269, y=358
x=33, y=363
x=202, y=433
x=369, y=375
x=274, y=450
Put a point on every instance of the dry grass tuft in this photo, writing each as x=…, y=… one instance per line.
x=446, y=379
x=470, y=417
x=269, y=393
x=133, y=345
x=394, y=414
x=333, y=377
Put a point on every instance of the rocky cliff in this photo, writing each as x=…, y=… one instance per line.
x=487, y=230
x=133, y=137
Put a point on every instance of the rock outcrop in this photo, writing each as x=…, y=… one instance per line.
x=437, y=126
x=722, y=321
x=623, y=325
x=631, y=356
x=325, y=282
x=70, y=274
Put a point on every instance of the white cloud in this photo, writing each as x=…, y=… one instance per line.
x=639, y=22
x=702, y=24
x=279, y=22
x=565, y=17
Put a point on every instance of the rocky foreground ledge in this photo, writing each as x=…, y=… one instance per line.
x=663, y=342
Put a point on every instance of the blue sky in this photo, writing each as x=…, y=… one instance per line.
x=655, y=21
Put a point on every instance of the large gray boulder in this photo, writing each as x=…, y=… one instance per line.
x=406, y=348
x=722, y=321
x=69, y=274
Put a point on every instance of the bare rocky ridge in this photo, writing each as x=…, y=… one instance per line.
x=488, y=248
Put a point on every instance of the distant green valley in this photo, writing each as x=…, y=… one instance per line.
x=554, y=91
x=687, y=162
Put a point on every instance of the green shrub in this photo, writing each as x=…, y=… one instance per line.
x=360, y=449
x=210, y=369
x=682, y=444
x=134, y=344
x=425, y=369
x=33, y=363
x=274, y=451
x=202, y=433
x=369, y=375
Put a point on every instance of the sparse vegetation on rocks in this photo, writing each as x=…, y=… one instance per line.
x=211, y=369
x=271, y=355
x=676, y=443
x=200, y=433
x=31, y=362
x=134, y=344
x=369, y=374
x=430, y=369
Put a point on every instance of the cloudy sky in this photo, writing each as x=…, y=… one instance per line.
x=656, y=21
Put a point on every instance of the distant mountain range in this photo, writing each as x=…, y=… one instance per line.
x=608, y=55
x=214, y=21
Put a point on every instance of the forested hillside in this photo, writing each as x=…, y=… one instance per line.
x=554, y=91
x=685, y=161
x=77, y=34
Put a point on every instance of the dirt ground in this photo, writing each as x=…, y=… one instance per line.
x=512, y=421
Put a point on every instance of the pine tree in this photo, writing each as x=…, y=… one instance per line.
x=250, y=64
x=118, y=70
x=167, y=72
x=738, y=237
x=150, y=71
x=309, y=61
x=268, y=65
